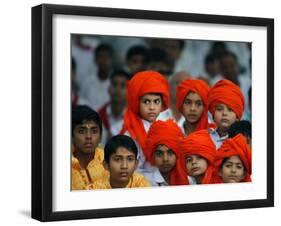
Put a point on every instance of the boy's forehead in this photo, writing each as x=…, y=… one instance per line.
x=88, y=124
x=123, y=151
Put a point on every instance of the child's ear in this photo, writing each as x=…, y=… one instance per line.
x=105, y=165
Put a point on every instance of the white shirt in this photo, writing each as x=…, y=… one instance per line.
x=167, y=114
x=155, y=178
x=216, y=137
x=191, y=180
x=115, y=124
x=95, y=91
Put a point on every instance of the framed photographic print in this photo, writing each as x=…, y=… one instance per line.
x=90, y=59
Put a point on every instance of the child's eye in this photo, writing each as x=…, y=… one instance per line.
x=146, y=101
x=158, y=153
x=158, y=101
x=81, y=131
x=95, y=131
x=170, y=153
x=188, y=159
x=131, y=159
x=199, y=103
x=187, y=102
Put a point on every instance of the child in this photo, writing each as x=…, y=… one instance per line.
x=148, y=95
x=233, y=161
x=112, y=112
x=244, y=127
x=192, y=103
x=87, y=156
x=226, y=104
x=120, y=159
x=163, y=152
x=198, y=156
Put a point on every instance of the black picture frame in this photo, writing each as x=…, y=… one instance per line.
x=42, y=108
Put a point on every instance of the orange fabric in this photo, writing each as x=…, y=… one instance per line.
x=202, y=89
x=166, y=133
x=142, y=83
x=236, y=146
x=226, y=92
x=200, y=143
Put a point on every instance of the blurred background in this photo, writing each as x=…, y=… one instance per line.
x=101, y=66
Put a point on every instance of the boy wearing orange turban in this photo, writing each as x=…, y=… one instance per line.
x=233, y=161
x=197, y=157
x=226, y=104
x=162, y=146
x=191, y=98
x=148, y=95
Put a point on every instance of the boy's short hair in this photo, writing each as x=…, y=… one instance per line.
x=119, y=141
x=120, y=72
x=104, y=47
x=81, y=113
x=138, y=50
x=244, y=127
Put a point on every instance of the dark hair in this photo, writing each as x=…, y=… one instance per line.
x=81, y=113
x=210, y=58
x=229, y=54
x=119, y=141
x=244, y=127
x=120, y=72
x=104, y=47
x=138, y=50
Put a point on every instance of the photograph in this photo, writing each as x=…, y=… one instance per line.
x=139, y=112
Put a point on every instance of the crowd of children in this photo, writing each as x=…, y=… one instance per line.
x=185, y=132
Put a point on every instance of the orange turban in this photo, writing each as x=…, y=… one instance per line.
x=236, y=146
x=166, y=133
x=226, y=92
x=200, y=143
x=142, y=83
x=202, y=89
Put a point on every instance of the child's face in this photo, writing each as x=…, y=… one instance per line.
x=193, y=107
x=136, y=63
x=164, y=158
x=196, y=165
x=150, y=107
x=121, y=166
x=224, y=117
x=118, y=90
x=232, y=170
x=86, y=137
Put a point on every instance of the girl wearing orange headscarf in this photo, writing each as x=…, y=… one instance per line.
x=197, y=157
x=162, y=147
x=226, y=104
x=191, y=98
x=234, y=160
x=147, y=95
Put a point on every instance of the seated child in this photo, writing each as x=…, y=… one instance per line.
x=197, y=157
x=226, y=104
x=120, y=160
x=191, y=98
x=87, y=157
x=163, y=148
x=233, y=161
x=148, y=95
x=244, y=127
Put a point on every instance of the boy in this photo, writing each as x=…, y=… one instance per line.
x=87, y=157
x=112, y=113
x=120, y=160
x=192, y=103
x=148, y=95
x=226, y=104
x=198, y=156
x=163, y=147
x=137, y=58
x=234, y=160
